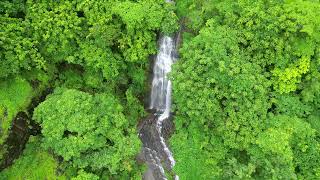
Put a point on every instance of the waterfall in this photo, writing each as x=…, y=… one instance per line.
x=161, y=87
x=155, y=151
x=161, y=91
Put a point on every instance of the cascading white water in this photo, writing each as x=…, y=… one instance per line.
x=161, y=88
x=161, y=85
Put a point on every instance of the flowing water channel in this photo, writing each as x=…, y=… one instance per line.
x=155, y=150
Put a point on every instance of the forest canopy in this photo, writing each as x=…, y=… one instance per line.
x=246, y=90
x=78, y=71
x=74, y=79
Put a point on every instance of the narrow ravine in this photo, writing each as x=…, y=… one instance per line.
x=155, y=150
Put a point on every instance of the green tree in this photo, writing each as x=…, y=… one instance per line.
x=89, y=131
x=35, y=163
x=246, y=82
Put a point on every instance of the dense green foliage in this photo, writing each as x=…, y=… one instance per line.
x=35, y=164
x=95, y=54
x=246, y=90
x=89, y=131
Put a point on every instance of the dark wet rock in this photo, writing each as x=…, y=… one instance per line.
x=167, y=128
x=149, y=135
x=152, y=152
x=16, y=140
